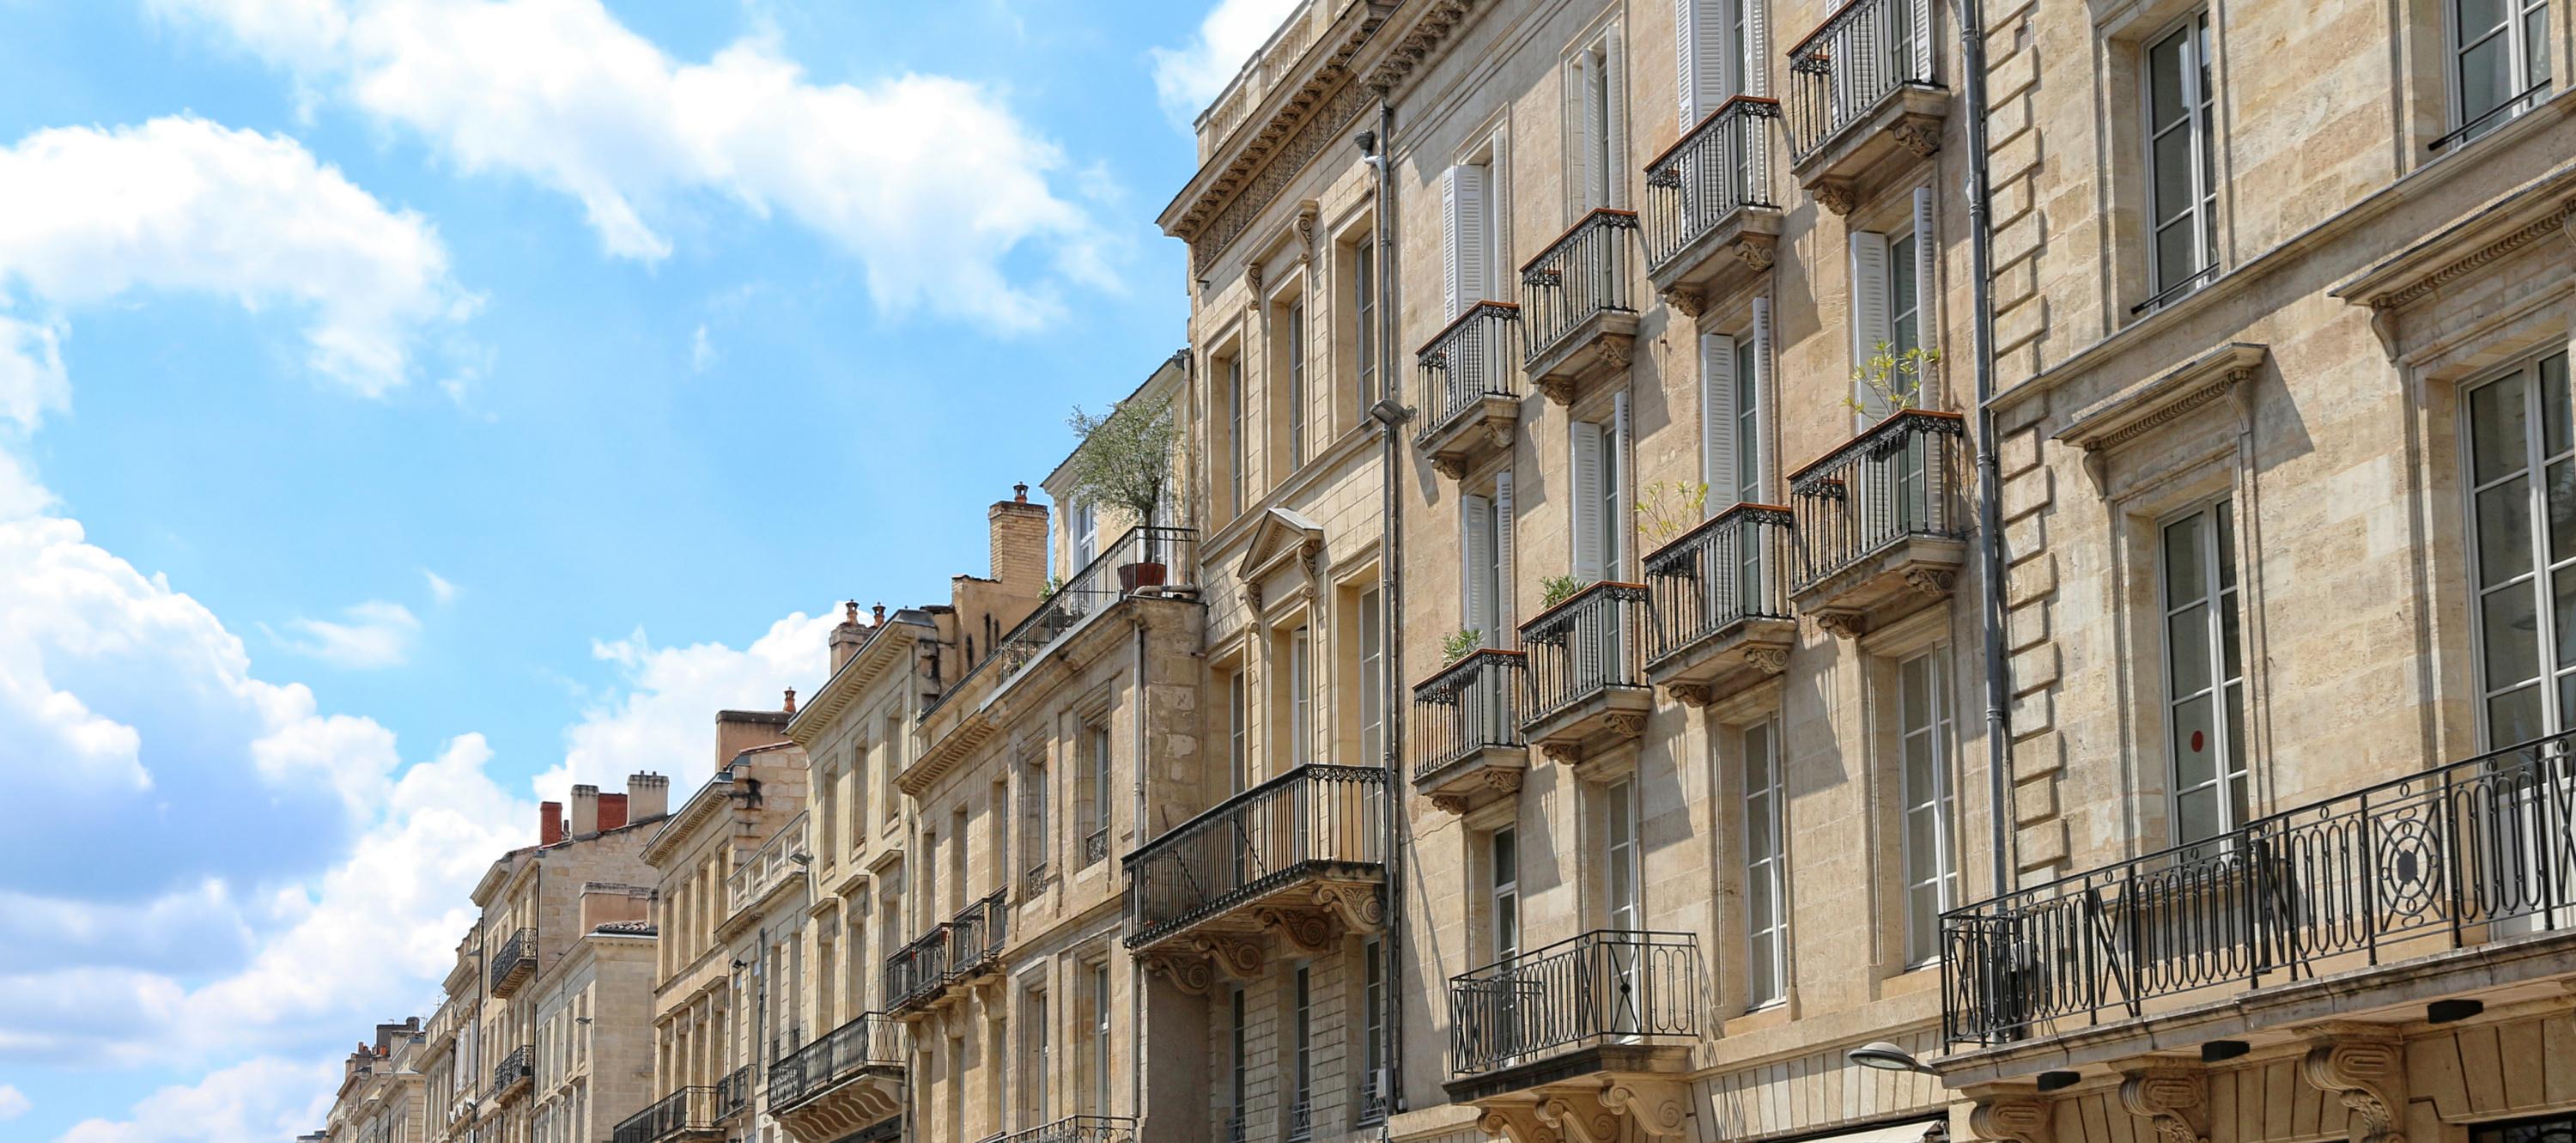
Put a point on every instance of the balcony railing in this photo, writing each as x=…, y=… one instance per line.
x=516, y=962
x=1261, y=74
x=1161, y=554
x=976, y=934
x=1312, y=820
x=518, y=1066
x=868, y=1043
x=1580, y=276
x=784, y=854
x=1602, y=986
x=1079, y=1129
x=1584, y=646
x=1899, y=479
x=1717, y=575
x=1301, y=1121
x=2409, y=867
x=686, y=1111
x=1722, y=166
x=1469, y=360
x=1471, y=705
x=1866, y=51
x=916, y=970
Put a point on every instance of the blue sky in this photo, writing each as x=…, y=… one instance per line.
x=409, y=406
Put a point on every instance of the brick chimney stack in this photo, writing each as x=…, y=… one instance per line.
x=585, y=810
x=648, y=796
x=550, y=823
x=612, y=811
x=1019, y=542
x=791, y=700
x=740, y=730
x=848, y=636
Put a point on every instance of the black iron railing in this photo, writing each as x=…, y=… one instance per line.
x=1470, y=705
x=1728, y=570
x=1580, y=276
x=690, y=1109
x=519, y=1065
x=1898, y=480
x=869, y=1043
x=1301, y=1121
x=516, y=960
x=1860, y=55
x=733, y=1092
x=1590, y=643
x=1722, y=166
x=1079, y=1129
x=915, y=971
x=1607, y=985
x=2432, y=861
x=1471, y=359
x=1311, y=820
x=976, y=933
x=1158, y=556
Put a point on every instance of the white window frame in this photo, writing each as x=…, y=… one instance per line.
x=2539, y=570
x=1296, y=335
x=1503, y=894
x=1239, y=730
x=2222, y=595
x=2197, y=75
x=1301, y=698
x=1364, y=319
x=2526, y=90
x=1937, y=870
x=1765, y=861
x=1623, y=898
x=1371, y=639
x=1720, y=44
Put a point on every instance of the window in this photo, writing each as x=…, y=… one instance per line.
x=1470, y=233
x=1301, y=700
x=1892, y=273
x=1084, y=521
x=1372, y=678
x=1730, y=419
x=1296, y=370
x=858, y=796
x=2499, y=62
x=1596, y=112
x=1718, y=49
x=1100, y=1039
x=1504, y=896
x=1035, y=846
x=1033, y=1092
x=1621, y=910
x=1240, y=1058
x=1301, y=1120
x=1601, y=521
x=1237, y=458
x=1484, y=541
x=1237, y=732
x=1364, y=320
x=2522, y=522
x=2182, y=182
x=1766, y=908
x=2556, y=1129
x=1923, y=758
x=1095, y=766
x=1372, y=1030
x=2204, y=679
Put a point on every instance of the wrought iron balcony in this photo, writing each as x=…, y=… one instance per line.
x=1301, y=1121
x=1580, y=306
x=1865, y=98
x=1079, y=1129
x=1585, y=669
x=1151, y=556
x=1721, y=602
x=515, y=963
x=849, y=1079
x=976, y=935
x=1471, y=394
x=687, y=1113
x=1309, y=843
x=2405, y=869
x=915, y=971
x=1467, y=745
x=782, y=857
x=1712, y=216
x=1880, y=522
x=733, y=1092
x=515, y=1070
x=965, y=947
x=1632, y=997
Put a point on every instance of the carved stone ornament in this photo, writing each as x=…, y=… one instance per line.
x=1687, y=302
x=2364, y=1067
x=1692, y=695
x=1310, y=930
x=1450, y=803
x=1189, y=973
x=1618, y=349
x=1580, y=1117
x=1447, y=464
x=1768, y=660
x=1306, y=214
x=1836, y=196
x=1657, y=1107
x=1517, y=1122
x=1565, y=752
x=1627, y=724
x=2010, y=1119
x=1559, y=389
x=1754, y=252
x=1842, y=624
x=1923, y=137
x=1252, y=275
x=1502, y=781
x=1359, y=908
x=1934, y=582
x=1237, y=956
x=1498, y=432
x=2172, y=1100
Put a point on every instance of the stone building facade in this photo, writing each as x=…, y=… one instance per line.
x=382, y=1096
x=594, y=1058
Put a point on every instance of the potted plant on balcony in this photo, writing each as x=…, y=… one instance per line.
x=1896, y=379
x=1125, y=461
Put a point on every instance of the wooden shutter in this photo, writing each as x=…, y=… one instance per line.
x=1502, y=588
x=1476, y=574
x=1921, y=14
x=1762, y=395
x=1690, y=26
x=1750, y=56
x=1453, y=222
x=1593, y=112
x=1927, y=274
x=1869, y=317
x=1614, y=121
x=1701, y=29
x=1717, y=421
x=1585, y=489
x=1619, y=525
x=1467, y=244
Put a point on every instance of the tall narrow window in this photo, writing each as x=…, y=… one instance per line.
x=1034, y=1091
x=1239, y=1056
x=2204, y=681
x=1238, y=732
x=1504, y=893
x=1595, y=110
x=1085, y=524
x=1238, y=456
x=1095, y=766
x=1717, y=56
x=1372, y=1030
x=2500, y=61
x=1100, y=1039
x=1923, y=752
x=1301, y=1120
x=2182, y=183
x=1468, y=235
x=1891, y=282
x=1364, y=320
x=1766, y=910
x=1296, y=385
x=1600, y=518
x=1301, y=699
x=1372, y=677
x=1621, y=909
x=1480, y=571
x=2522, y=477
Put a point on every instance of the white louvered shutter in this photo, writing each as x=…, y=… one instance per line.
x=1926, y=270
x=1475, y=567
x=1453, y=225
x=1591, y=137
x=1503, y=578
x=1752, y=56
x=1920, y=11
x=1620, y=525
x=1614, y=120
x=1869, y=320
x=1762, y=395
x=1717, y=420
x=1689, y=28
x=1585, y=491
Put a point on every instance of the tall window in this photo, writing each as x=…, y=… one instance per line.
x=1766, y=910
x=1372, y=1030
x=1095, y=766
x=1296, y=385
x=1470, y=234
x=1923, y=752
x=1600, y=500
x=1301, y=1120
x=1240, y=1058
x=1372, y=677
x=2499, y=61
x=1717, y=53
x=1100, y=1039
x=1731, y=419
x=1484, y=529
x=1034, y=1090
x=1236, y=450
x=1238, y=732
x=2204, y=678
x=1036, y=848
x=1595, y=110
x=2522, y=476
x=1085, y=524
x=1891, y=279
x=2182, y=184
x=1622, y=911
x=1301, y=701
x=1364, y=319
x=1504, y=892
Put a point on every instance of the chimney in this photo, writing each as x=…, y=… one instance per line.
x=791, y=700
x=550, y=823
x=648, y=796
x=612, y=811
x=848, y=636
x=740, y=730
x=585, y=811
x=606, y=902
x=1019, y=542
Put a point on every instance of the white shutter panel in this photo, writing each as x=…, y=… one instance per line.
x=1689, y=27
x=1717, y=421
x=1614, y=182
x=1470, y=243
x=1926, y=270
x=1620, y=522
x=1753, y=56
x=1590, y=138
x=1920, y=11
x=1503, y=578
x=1452, y=226
x=1762, y=391
x=1585, y=490
x=1869, y=317
x=1476, y=574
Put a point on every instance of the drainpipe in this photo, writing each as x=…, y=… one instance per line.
x=1377, y=150
x=1990, y=529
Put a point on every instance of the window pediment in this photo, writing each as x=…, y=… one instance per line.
x=2128, y=416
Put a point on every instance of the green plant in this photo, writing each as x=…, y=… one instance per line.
x=1896, y=379
x=1125, y=458
x=1557, y=589
x=1459, y=644
x=1667, y=509
x=1054, y=585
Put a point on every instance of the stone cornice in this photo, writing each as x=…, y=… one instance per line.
x=1274, y=126
x=2133, y=414
x=888, y=648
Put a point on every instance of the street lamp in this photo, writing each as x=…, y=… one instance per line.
x=1886, y=1057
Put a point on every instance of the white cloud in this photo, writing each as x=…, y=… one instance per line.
x=939, y=191
x=370, y=635
x=662, y=720
x=702, y=352
x=89, y=215
x=440, y=589
x=257, y=1101
x=1191, y=76
x=13, y=1103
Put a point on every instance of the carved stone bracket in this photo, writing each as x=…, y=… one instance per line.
x=1934, y=582
x=1498, y=433
x=1558, y=389
x=1518, y=1122
x=1307, y=212
x=1689, y=303
x=1768, y=660
x=1580, y=1117
x=1311, y=930
x=1450, y=803
x=1754, y=250
x=1360, y=908
x=1657, y=1107
x=1449, y=465
x=1921, y=136
x=2172, y=1100
x=1619, y=349
x=1835, y=195
x=2364, y=1067
x=1692, y=695
x=1563, y=752
x=1237, y=956
x=1627, y=724
x=1841, y=624
x=2010, y=1119
x=1189, y=973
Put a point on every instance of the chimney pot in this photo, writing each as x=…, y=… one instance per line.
x=585, y=810
x=880, y=613
x=1020, y=493
x=791, y=700
x=849, y=611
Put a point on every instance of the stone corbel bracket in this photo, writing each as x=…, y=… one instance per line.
x=2014, y=1117
x=2173, y=1100
x=2364, y=1067
x=2221, y=372
x=1656, y=1106
x=1517, y=1122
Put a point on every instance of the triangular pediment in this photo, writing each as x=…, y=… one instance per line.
x=1278, y=536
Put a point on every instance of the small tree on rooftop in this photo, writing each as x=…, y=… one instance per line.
x=1125, y=458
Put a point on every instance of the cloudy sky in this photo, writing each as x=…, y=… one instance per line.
x=411, y=407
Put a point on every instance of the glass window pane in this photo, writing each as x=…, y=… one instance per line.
x=2187, y=650
x=2478, y=17
x=1914, y=691
x=2164, y=82
x=2553, y=406
x=2184, y=561
x=2564, y=615
x=2198, y=812
x=2512, y=629
x=2536, y=34
x=2504, y=532
x=2176, y=255
x=2230, y=658
x=1922, y=844
x=2486, y=78
x=2514, y=717
x=1757, y=900
x=2225, y=513
x=2495, y=429
x=2173, y=185
x=2562, y=510
x=2194, y=750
